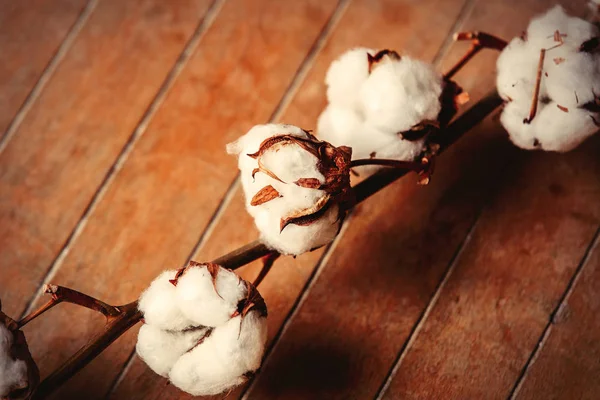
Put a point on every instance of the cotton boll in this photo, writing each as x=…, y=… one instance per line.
x=570, y=80
x=224, y=359
x=19, y=375
x=292, y=186
x=158, y=304
x=160, y=349
x=205, y=303
x=400, y=94
x=345, y=77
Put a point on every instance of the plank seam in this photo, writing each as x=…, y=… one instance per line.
x=312, y=279
x=47, y=73
x=561, y=304
x=127, y=149
x=463, y=15
x=416, y=329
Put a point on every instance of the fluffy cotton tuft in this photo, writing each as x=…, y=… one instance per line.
x=273, y=193
x=223, y=338
x=159, y=306
x=567, y=109
x=345, y=77
x=206, y=303
x=375, y=98
x=18, y=373
x=226, y=358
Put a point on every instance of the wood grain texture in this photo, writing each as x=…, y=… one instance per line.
x=72, y=135
x=506, y=283
x=30, y=34
x=166, y=192
x=568, y=364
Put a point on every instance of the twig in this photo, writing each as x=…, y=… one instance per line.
x=129, y=315
x=479, y=41
x=62, y=294
x=536, y=90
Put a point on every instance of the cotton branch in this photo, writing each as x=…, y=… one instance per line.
x=61, y=294
x=479, y=41
x=129, y=315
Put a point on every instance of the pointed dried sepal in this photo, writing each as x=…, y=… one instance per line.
x=308, y=215
x=591, y=45
x=253, y=302
x=309, y=183
x=273, y=142
x=264, y=195
x=380, y=57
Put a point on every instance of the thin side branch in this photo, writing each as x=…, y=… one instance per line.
x=129, y=314
x=479, y=41
x=61, y=294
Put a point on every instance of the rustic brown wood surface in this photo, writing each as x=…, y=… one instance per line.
x=481, y=285
x=31, y=34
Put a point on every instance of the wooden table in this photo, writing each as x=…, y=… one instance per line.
x=114, y=116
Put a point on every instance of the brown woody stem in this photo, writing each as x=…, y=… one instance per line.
x=62, y=294
x=129, y=315
x=480, y=40
x=536, y=90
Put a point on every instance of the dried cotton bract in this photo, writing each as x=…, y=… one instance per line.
x=381, y=104
x=296, y=186
x=550, y=79
x=204, y=328
x=18, y=373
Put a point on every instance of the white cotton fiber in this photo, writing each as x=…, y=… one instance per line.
x=226, y=342
x=207, y=304
x=159, y=305
x=160, y=349
x=400, y=94
x=284, y=164
x=224, y=359
x=345, y=77
x=369, y=110
x=570, y=81
x=13, y=372
x=341, y=128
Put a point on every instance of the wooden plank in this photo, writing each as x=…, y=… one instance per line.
x=386, y=267
x=166, y=192
x=72, y=135
x=527, y=244
x=495, y=305
x=365, y=23
x=568, y=364
x=31, y=32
